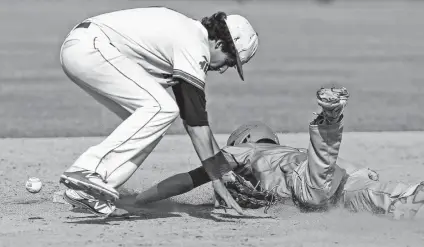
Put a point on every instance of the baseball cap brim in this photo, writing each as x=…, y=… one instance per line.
x=239, y=66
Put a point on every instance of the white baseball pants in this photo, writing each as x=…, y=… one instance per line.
x=124, y=87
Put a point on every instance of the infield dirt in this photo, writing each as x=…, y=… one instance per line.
x=189, y=220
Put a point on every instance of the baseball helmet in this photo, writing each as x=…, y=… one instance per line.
x=252, y=132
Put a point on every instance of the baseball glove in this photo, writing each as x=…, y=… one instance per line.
x=245, y=194
x=332, y=101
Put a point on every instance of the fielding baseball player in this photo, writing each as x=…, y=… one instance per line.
x=125, y=60
x=313, y=179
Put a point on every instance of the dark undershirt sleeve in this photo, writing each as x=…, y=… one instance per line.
x=192, y=104
x=199, y=176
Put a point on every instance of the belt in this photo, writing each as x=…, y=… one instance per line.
x=83, y=25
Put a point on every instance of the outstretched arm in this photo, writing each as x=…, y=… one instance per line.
x=172, y=186
x=175, y=185
x=322, y=176
x=325, y=136
x=323, y=151
x=332, y=111
x=178, y=184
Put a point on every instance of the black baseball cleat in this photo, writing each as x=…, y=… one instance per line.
x=91, y=183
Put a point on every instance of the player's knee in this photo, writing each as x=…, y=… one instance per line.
x=165, y=106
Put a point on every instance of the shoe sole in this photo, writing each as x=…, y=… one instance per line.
x=89, y=188
x=409, y=213
x=83, y=205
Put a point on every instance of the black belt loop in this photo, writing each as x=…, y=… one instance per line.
x=83, y=25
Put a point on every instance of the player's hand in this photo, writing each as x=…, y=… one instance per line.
x=222, y=191
x=365, y=173
x=332, y=101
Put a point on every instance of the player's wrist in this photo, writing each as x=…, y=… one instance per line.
x=216, y=166
x=321, y=119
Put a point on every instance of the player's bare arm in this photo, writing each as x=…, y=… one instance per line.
x=192, y=103
x=176, y=185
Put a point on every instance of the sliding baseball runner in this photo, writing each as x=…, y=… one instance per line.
x=313, y=179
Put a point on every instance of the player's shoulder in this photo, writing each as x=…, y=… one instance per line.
x=193, y=35
x=189, y=31
x=192, y=43
x=179, y=21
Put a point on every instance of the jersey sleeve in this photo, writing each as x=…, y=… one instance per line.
x=192, y=104
x=191, y=63
x=240, y=155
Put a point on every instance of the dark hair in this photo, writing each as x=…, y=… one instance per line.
x=218, y=30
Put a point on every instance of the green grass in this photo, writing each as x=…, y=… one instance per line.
x=374, y=49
